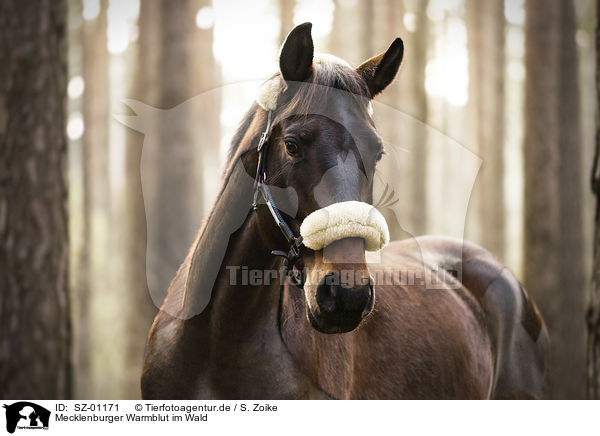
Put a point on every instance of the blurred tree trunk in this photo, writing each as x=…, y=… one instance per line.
x=541, y=203
x=352, y=39
x=178, y=202
x=553, y=269
x=486, y=27
x=572, y=274
x=286, y=17
x=143, y=85
x=205, y=125
x=95, y=209
x=593, y=310
x=35, y=337
x=415, y=65
x=173, y=64
x=365, y=9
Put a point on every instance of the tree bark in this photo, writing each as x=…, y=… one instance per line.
x=35, y=329
x=593, y=310
x=553, y=227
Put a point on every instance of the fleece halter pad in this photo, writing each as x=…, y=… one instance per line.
x=348, y=219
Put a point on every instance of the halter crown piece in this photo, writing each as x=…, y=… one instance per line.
x=322, y=227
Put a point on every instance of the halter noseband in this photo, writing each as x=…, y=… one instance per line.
x=292, y=257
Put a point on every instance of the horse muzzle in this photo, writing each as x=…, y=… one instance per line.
x=340, y=233
x=340, y=309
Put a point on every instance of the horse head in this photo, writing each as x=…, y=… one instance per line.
x=325, y=146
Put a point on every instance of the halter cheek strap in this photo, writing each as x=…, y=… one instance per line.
x=292, y=257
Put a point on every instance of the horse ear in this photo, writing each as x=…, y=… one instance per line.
x=380, y=70
x=296, y=57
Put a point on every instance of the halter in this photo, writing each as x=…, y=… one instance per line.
x=292, y=257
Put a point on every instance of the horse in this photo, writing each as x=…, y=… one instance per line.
x=327, y=328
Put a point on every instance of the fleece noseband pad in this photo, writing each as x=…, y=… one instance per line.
x=348, y=219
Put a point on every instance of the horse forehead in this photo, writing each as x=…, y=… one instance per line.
x=355, y=120
x=350, y=116
x=346, y=105
x=341, y=181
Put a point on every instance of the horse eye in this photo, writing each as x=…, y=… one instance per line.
x=291, y=148
x=379, y=155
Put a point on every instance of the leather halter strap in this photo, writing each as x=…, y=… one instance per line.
x=292, y=256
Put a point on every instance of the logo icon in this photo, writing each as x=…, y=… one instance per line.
x=26, y=415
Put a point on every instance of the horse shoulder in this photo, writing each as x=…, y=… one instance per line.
x=173, y=361
x=516, y=329
x=424, y=343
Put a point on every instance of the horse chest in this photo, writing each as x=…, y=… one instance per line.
x=255, y=365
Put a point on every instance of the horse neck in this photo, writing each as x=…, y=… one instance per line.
x=242, y=302
x=228, y=244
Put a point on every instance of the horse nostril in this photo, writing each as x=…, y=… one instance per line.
x=343, y=302
x=327, y=293
x=333, y=290
x=340, y=308
x=370, y=300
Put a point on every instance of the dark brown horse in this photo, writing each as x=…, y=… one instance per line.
x=222, y=335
